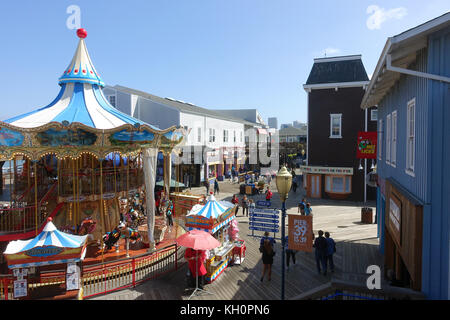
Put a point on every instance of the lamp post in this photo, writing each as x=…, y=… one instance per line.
x=283, y=182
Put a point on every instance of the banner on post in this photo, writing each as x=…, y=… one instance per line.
x=366, y=145
x=300, y=232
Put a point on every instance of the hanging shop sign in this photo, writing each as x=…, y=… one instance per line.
x=300, y=233
x=327, y=170
x=20, y=288
x=366, y=145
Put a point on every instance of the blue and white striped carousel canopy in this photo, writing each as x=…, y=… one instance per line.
x=212, y=208
x=80, y=100
x=50, y=236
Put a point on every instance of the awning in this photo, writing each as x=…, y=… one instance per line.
x=262, y=131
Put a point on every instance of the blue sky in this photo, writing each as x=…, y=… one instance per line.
x=215, y=54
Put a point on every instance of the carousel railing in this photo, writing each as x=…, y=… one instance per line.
x=21, y=216
x=90, y=181
x=104, y=278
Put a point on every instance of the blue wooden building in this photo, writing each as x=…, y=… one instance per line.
x=410, y=87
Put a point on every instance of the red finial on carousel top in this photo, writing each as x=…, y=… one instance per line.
x=49, y=219
x=211, y=192
x=82, y=33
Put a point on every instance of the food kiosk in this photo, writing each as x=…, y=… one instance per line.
x=215, y=217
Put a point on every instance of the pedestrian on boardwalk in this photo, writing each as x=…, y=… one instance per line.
x=269, y=194
x=197, y=269
x=169, y=214
x=244, y=205
x=308, y=209
x=267, y=259
x=235, y=201
x=216, y=187
x=289, y=253
x=331, y=249
x=320, y=244
x=251, y=205
x=264, y=238
x=294, y=184
x=207, y=187
x=302, y=206
x=230, y=175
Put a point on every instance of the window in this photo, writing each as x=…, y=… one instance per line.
x=388, y=138
x=199, y=134
x=338, y=184
x=241, y=135
x=410, y=136
x=394, y=139
x=225, y=135
x=374, y=115
x=212, y=135
x=112, y=100
x=380, y=139
x=335, y=125
x=234, y=136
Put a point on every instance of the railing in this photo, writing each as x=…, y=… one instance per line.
x=89, y=181
x=22, y=217
x=105, y=278
x=344, y=290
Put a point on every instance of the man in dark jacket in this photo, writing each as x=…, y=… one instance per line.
x=320, y=243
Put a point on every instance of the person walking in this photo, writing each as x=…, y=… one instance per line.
x=269, y=194
x=207, y=187
x=267, y=258
x=308, y=209
x=331, y=249
x=302, y=206
x=169, y=214
x=320, y=244
x=264, y=238
x=294, y=184
x=252, y=205
x=235, y=201
x=244, y=205
x=289, y=253
x=216, y=187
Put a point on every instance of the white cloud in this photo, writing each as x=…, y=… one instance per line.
x=379, y=15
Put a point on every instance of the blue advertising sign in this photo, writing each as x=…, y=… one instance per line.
x=263, y=203
x=259, y=224
x=264, y=229
x=267, y=216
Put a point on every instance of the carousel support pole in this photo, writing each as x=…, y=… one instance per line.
x=115, y=179
x=35, y=198
x=101, y=202
x=73, y=192
x=128, y=176
x=10, y=183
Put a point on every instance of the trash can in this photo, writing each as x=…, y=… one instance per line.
x=366, y=215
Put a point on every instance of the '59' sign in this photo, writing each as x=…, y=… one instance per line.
x=300, y=233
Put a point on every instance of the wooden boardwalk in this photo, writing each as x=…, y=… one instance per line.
x=357, y=248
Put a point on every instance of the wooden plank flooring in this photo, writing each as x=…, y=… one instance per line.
x=357, y=248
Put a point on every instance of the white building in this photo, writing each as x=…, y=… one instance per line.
x=215, y=141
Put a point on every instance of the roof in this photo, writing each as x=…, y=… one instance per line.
x=400, y=50
x=181, y=105
x=292, y=131
x=80, y=100
x=212, y=208
x=337, y=70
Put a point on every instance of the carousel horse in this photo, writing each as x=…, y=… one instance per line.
x=110, y=239
x=87, y=227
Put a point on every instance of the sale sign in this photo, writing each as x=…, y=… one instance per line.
x=300, y=232
x=366, y=145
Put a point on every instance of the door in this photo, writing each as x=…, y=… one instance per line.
x=316, y=186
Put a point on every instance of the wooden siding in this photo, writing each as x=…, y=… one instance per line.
x=407, y=88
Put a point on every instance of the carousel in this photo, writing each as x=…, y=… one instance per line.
x=218, y=219
x=82, y=163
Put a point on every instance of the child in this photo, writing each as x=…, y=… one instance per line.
x=252, y=205
x=302, y=206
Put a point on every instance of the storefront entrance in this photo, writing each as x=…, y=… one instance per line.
x=315, y=183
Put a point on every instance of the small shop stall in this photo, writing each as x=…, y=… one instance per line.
x=216, y=217
x=50, y=247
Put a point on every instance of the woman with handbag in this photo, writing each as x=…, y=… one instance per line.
x=267, y=258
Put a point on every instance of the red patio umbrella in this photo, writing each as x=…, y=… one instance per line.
x=198, y=240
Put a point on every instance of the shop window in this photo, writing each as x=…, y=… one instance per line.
x=336, y=125
x=338, y=184
x=388, y=139
x=225, y=135
x=374, y=115
x=199, y=134
x=212, y=135
x=112, y=100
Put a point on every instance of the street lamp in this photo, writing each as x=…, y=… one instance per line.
x=283, y=182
